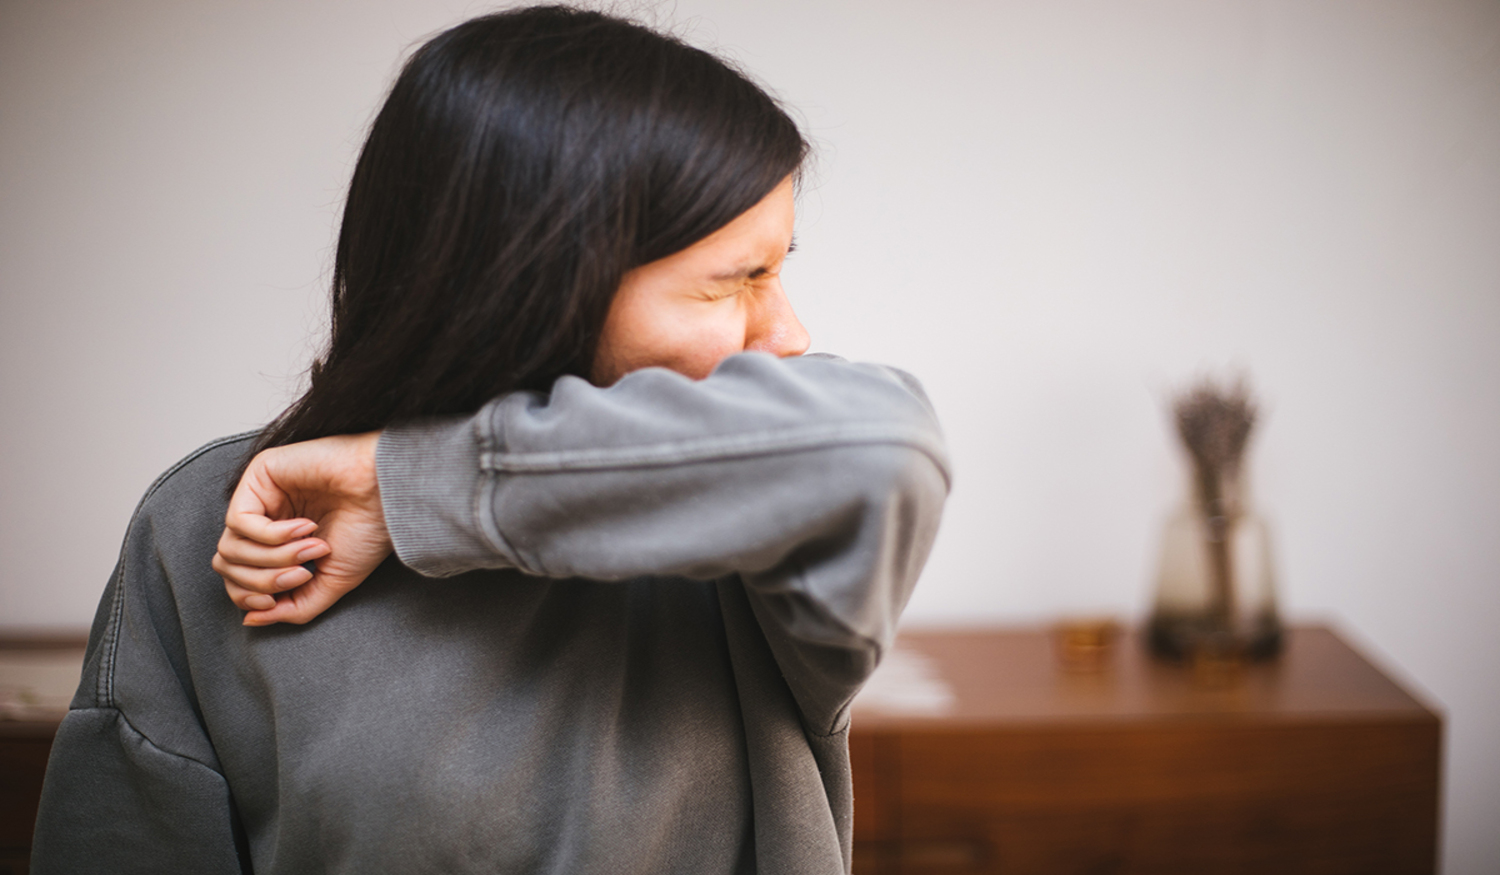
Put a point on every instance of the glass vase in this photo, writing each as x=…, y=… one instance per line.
x=1215, y=583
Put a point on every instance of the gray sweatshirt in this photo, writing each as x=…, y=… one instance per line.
x=620, y=634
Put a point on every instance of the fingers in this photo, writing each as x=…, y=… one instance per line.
x=256, y=526
x=298, y=606
x=257, y=503
x=249, y=600
x=237, y=550
x=263, y=580
x=265, y=569
x=328, y=485
x=256, y=588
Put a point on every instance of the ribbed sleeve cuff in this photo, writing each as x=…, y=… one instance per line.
x=429, y=486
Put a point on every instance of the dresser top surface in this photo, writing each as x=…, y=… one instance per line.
x=1015, y=676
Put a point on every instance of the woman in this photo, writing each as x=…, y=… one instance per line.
x=564, y=378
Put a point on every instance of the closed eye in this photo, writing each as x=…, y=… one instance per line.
x=749, y=272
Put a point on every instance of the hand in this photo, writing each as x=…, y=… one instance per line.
x=326, y=486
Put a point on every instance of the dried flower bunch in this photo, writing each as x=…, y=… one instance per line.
x=1214, y=422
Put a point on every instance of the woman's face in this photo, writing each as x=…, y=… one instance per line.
x=720, y=296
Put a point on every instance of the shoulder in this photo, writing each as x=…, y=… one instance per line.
x=202, y=477
x=178, y=521
x=163, y=568
x=182, y=512
x=172, y=534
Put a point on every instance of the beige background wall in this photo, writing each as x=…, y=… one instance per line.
x=1052, y=212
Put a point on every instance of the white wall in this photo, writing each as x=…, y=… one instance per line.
x=1052, y=212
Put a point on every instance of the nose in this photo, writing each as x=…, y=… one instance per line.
x=774, y=327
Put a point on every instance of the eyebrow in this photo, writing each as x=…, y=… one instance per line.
x=748, y=271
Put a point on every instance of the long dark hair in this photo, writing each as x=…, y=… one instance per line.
x=524, y=162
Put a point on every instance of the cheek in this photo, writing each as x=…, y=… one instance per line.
x=691, y=338
x=697, y=342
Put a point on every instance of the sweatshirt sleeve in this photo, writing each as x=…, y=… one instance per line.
x=818, y=482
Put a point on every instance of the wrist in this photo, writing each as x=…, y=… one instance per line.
x=429, y=478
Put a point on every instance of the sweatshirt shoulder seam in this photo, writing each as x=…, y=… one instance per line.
x=125, y=719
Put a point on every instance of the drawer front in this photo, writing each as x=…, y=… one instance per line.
x=1165, y=798
x=23, y=764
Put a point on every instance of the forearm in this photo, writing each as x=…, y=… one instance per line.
x=658, y=474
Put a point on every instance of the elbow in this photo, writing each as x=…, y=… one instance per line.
x=904, y=489
x=913, y=473
x=915, y=486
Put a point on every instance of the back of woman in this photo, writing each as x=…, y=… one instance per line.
x=644, y=552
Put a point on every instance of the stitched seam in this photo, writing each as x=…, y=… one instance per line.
x=105, y=688
x=489, y=429
x=154, y=746
x=712, y=448
x=104, y=683
x=489, y=529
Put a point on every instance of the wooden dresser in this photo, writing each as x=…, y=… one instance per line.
x=38, y=674
x=989, y=756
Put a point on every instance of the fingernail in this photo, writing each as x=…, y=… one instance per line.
x=294, y=577
x=304, y=530
x=313, y=552
x=260, y=602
